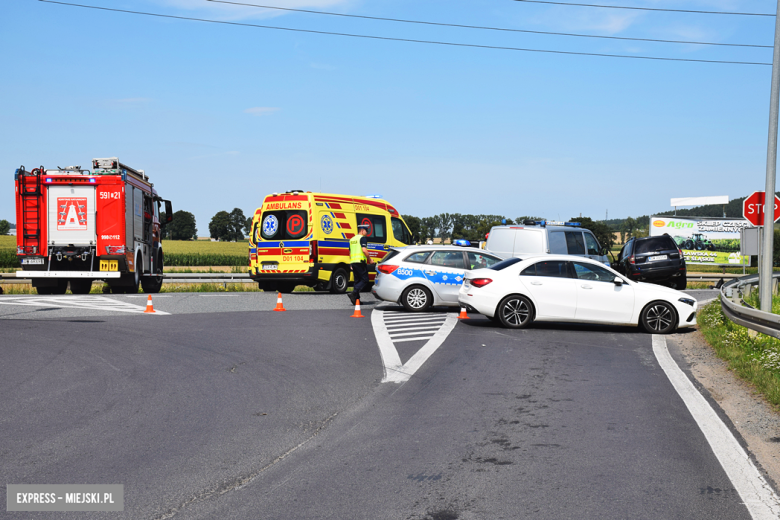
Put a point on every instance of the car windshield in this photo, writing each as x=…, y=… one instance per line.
x=505, y=263
x=653, y=244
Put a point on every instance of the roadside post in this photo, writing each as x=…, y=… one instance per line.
x=753, y=209
x=765, y=269
x=750, y=243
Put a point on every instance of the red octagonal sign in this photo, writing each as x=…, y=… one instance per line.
x=753, y=208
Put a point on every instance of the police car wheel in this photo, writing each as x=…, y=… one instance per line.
x=515, y=312
x=339, y=281
x=416, y=299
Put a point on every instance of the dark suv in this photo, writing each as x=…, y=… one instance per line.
x=653, y=259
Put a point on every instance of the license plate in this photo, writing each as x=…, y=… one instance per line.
x=270, y=267
x=32, y=261
x=659, y=257
x=109, y=265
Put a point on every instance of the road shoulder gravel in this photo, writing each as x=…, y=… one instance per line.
x=755, y=420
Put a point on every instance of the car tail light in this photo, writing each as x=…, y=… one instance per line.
x=313, y=252
x=479, y=282
x=386, y=269
x=631, y=260
x=115, y=250
x=19, y=250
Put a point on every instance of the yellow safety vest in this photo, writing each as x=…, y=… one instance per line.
x=356, y=254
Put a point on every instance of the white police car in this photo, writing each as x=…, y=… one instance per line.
x=419, y=277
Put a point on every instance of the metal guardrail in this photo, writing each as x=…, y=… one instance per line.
x=734, y=307
x=167, y=278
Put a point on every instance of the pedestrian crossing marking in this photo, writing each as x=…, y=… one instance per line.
x=98, y=303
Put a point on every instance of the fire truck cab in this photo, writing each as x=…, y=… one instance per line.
x=75, y=226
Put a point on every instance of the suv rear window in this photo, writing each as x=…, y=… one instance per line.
x=652, y=244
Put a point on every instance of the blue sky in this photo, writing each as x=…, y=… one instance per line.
x=220, y=116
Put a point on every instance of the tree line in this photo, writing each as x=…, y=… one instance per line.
x=224, y=226
x=474, y=228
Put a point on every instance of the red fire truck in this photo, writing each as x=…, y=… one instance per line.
x=76, y=226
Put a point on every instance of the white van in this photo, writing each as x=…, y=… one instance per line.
x=536, y=238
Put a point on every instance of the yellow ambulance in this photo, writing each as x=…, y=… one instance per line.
x=302, y=238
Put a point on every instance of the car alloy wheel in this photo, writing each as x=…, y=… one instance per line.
x=659, y=318
x=515, y=312
x=416, y=299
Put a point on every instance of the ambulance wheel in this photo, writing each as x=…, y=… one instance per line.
x=416, y=299
x=81, y=286
x=339, y=281
x=287, y=288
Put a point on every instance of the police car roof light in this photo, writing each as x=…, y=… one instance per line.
x=574, y=224
x=461, y=242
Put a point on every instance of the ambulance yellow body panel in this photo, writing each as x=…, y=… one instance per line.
x=302, y=238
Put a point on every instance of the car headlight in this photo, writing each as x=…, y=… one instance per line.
x=689, y=301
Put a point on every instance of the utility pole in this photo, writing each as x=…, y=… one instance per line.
x=765, y=267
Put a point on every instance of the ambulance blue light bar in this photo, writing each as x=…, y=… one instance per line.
x=461, y=242
x=373, y=196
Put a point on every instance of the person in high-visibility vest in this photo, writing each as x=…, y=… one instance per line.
x=359, y=259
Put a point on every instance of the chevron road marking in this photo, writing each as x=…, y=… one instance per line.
x=392, y=327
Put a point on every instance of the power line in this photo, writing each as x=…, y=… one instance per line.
x=407, y=40
x=643, y=8
x=488, y=28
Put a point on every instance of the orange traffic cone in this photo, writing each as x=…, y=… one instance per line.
x=279, y=306
x=357, y=314
x=463, y=315
x=149, y=306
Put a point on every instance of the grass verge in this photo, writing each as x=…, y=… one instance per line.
x=754, y=358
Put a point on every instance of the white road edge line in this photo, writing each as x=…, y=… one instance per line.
x=759, y=498
x=394, y=371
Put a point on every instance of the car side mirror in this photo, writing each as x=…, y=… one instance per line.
x=604, y=251
x=168, y=212
x=618, y=281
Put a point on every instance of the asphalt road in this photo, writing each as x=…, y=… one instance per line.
x=224, y=409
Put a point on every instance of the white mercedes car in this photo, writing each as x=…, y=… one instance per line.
x=562, y=288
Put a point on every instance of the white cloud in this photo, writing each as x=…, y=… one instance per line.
x=261, y=111
x=238, y=12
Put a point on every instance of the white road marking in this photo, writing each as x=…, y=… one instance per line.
x=414, y=320
x=98, y=303
x=395, y=371
x=422, y=327
x=759, y=498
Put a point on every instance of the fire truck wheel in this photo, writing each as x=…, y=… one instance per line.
x=339, y=281
x=153, y=284
x=44, y=290
x=80, y=286
x=60, y=288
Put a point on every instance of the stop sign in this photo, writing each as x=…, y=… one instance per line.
x=753, y=208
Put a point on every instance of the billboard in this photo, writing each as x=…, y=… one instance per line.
x=704, y=241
